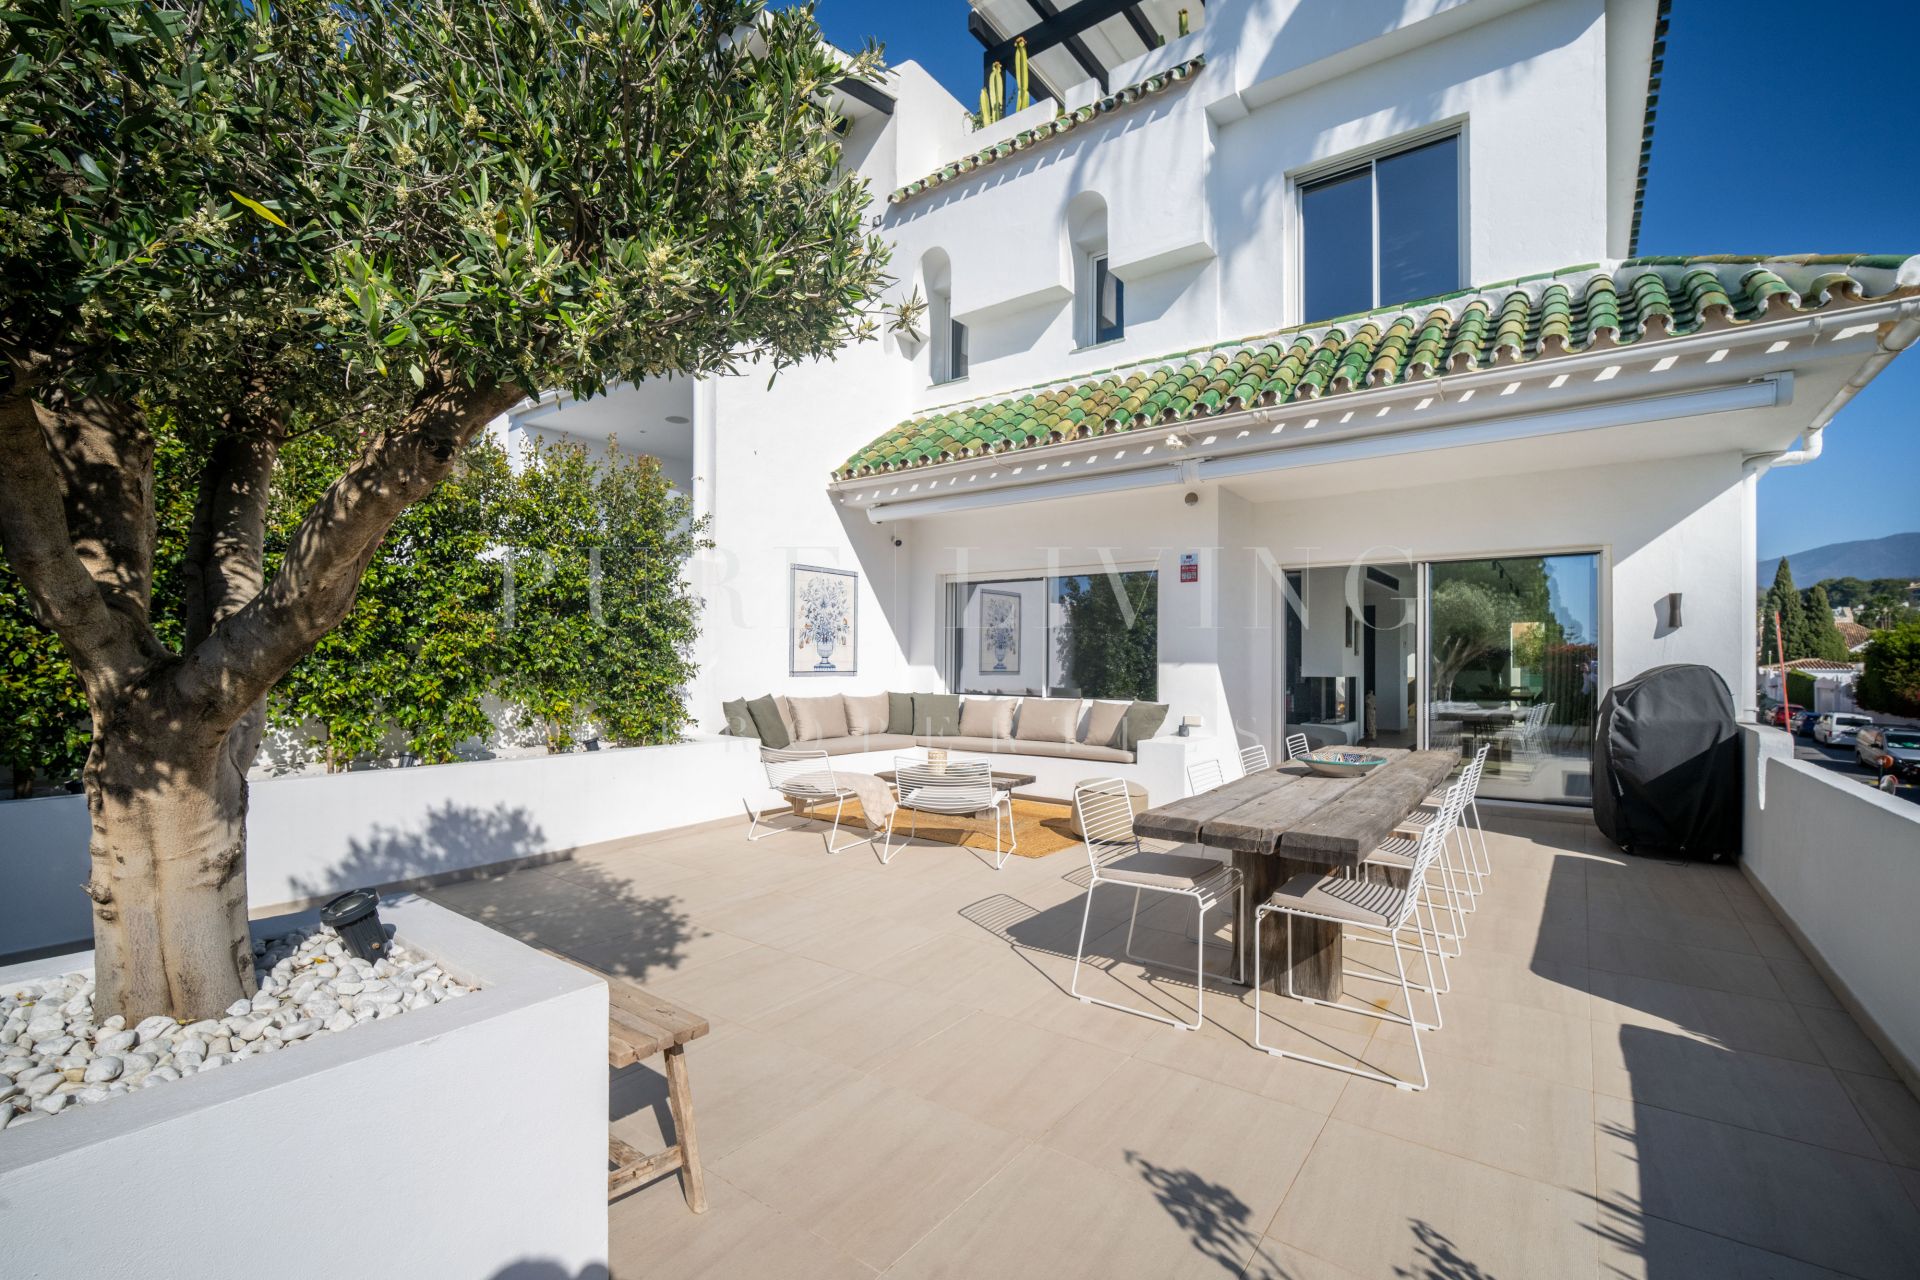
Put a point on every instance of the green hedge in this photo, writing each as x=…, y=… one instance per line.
x=555, y=590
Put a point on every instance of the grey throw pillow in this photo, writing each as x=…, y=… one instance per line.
x=739, y=719
x=936, y=715
x=899, y=713
x=767, y=719
x=1142, y=721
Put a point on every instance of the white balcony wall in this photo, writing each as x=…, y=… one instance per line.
x=1837, y=861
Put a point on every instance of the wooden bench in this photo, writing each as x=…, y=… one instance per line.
x=640, y=1025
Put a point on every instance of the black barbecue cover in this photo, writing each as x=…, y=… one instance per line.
x=1666, y=765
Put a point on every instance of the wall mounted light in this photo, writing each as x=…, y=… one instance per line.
x=1673, y=610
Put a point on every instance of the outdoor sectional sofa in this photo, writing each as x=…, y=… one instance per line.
x=1059, y=740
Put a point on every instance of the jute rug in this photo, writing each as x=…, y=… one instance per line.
x=1043, y=828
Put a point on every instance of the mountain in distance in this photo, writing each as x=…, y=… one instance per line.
x=1894, y=556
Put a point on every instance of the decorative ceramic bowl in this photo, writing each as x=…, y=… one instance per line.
x=1334, y=763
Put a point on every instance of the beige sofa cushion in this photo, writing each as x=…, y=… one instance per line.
x=866, y=715
x=1103, y=721
x=1017, y=747
x=784, y=705
x=1047, y=719
x=986, y=718
x=865, y=742
x=818, y=718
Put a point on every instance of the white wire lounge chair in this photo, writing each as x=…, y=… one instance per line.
x=963, y=789
x=1253, y=759
x=804, y=778
x=1297, y=745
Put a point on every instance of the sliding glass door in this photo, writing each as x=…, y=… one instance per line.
x=1513, y=664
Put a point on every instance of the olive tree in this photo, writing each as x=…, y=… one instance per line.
x=394, y=221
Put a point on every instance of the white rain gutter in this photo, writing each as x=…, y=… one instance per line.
x=1898, y=338
x=1761, y=393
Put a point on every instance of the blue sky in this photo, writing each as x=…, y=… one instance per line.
x=1778, y=132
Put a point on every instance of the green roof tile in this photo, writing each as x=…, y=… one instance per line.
x=1536, y=317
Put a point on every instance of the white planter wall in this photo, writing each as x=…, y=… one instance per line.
x=311, y=837
x=1842, y=863
x=467, y=1139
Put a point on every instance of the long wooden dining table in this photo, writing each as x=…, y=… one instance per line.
x=1283, y=821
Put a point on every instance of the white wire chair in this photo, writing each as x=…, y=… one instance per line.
x=1253, y=759
x=963, y=789
x=1475, y=864
x=1204, y=776
x=1104, y=808
x=805, y=778
x=1297, y=745
x=1371, y=905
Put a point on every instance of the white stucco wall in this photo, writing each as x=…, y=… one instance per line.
x=1525, y=83
x=1675, y=524
x=465, y=1139
x=1842, y=863
x=1287, y=87
x=312, y=837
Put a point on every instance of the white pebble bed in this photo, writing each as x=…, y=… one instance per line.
x=53, y=1056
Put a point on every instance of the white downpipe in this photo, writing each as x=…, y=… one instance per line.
x=1813, y=439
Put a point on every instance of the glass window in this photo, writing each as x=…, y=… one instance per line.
x=1074, y=636
x=1386, y=232
x=1515, y=666
x=1109, y=304
x=957, y=352
x=1419, y=202
x=1337, y=245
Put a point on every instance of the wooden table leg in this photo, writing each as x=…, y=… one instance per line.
x=1317, y=957
x=680, y=1100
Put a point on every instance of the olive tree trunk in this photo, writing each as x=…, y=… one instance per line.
x=174, y=733
x=169, y=885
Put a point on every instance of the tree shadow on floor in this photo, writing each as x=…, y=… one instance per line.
x=578, y=909
x=1436, y=1257
x=1217, y=1221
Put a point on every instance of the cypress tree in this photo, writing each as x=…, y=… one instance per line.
x=1823, y=637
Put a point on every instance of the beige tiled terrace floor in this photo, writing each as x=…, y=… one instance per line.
x=1639, y=1075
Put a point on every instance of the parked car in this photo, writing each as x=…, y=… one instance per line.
x=1836, y=727
x=1889, y=749
x=1803, y=722
x=1782, y=715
